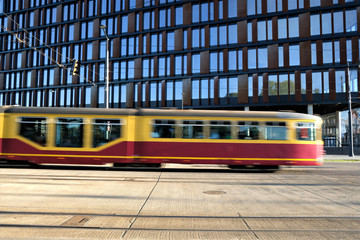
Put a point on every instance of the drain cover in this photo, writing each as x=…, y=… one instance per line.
x=76, y=221
x=215, y=192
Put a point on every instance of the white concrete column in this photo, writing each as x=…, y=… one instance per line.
x=338, y=128
x=247, y=109
x=310, y=108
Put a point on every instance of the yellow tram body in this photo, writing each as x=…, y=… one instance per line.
x=138, y=137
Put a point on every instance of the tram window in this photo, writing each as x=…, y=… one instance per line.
x=220, y=130
x=275, y=131
x=163, y=129
x=248, y=130
x=305, y=131
x=105, y=130
x=192, y=129
x=69, y=132
x=34, y=129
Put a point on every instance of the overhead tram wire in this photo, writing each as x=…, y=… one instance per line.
x=44, y=44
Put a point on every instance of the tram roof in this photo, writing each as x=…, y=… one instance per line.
x=156, y=112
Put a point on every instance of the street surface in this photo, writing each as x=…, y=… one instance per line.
x=180, y=202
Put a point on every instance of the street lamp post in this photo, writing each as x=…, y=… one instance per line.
x=351, y=140
x=103, y=27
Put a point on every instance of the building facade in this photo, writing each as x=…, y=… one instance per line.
x=225, y=54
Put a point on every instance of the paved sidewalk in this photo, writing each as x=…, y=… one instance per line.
x=341, y=157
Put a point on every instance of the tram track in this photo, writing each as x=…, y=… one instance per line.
x=180, y=230
x=170, y=216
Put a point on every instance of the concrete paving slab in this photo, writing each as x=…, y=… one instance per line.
x=191, y=223
x=181, y=235
x=307, y=235
x=316, y=223
x=32, y=232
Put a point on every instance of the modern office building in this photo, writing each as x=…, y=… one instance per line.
x=225, y=54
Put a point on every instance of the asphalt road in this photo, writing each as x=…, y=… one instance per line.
x=195, y=202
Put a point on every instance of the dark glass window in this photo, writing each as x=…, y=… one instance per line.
x=162, y=128
x=105, y=130
x=34, y=129
x=192, y=129
x=220, y=130
x=69, y=132
x=248, y=130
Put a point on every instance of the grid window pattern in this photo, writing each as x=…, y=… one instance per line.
x=171, y=53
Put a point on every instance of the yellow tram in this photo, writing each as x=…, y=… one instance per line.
x=149, y=137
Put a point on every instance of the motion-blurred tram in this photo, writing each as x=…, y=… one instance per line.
x=151, y=137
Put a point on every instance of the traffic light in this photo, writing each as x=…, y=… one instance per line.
x=75, y=68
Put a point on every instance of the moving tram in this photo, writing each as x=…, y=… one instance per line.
x=151, y=137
